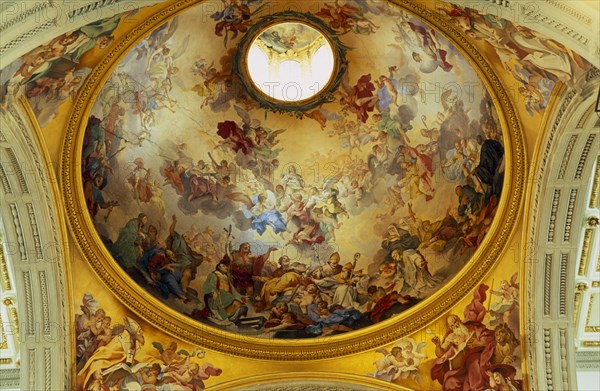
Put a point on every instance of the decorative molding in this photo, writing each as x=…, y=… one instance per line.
x=2, y=138
x=48, y=369
x=595, y=284
x=587, y=360
x=15, y=319
x=569, y=217
x=552, y=224
x=563, y=359
x=585, y=252
x=592, y=74
x=19, y=231
x=4, y=179
x=504, y=3
x=591, y=344
x=567, y=156
x=579, y=289
x=547, y=284
x=45, y=306
x=10, y=377
x=92, y=7
x=32, y=366
x=22, y=17
x=564, y=258
x=584, y=154
x=6, y=284
x=35, y=231
x=548, y=359
x=29, y=303
x=555, y=24
x=585, y=117
x=595, y=186
x=26, y=36
x=307, y=381
x=3, y=340
x=569, y=10
x=588, y=328
x=17, y=170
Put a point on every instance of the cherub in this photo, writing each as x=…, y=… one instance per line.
x=509, y=300
x=387, y=366
x=403, y=362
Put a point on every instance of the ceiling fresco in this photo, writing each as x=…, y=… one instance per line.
x=285, y=37
x=339, y=221
x=293, y=224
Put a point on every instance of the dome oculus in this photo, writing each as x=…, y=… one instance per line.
x=290, y=61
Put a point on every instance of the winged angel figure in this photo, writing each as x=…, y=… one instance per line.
x=402, y=363
x=424, y=45
x=262, y=212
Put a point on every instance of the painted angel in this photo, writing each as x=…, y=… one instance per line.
x=402, y=363
x=262, y=211
x=239, y=138
x=360, y=98
x=507, y=302
x=425, y=47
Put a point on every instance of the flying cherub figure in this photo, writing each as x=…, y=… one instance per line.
x=508, y=302
x=402, y=363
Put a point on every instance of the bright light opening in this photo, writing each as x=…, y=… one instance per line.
x=290, y=61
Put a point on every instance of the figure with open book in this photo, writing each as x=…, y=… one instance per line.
x=467, y=349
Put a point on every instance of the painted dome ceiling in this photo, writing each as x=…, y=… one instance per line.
x=271, y=219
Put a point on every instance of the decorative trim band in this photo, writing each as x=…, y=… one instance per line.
x=38, y=7
x=564, y=258
x=29, y=304
x=567, y=156
x=585, y=251
x=569, y=217
x=6, y=284
x=35, y=231
x=45, y=306
x=584, y=154
x=547, y=284
x=17, y=170
x=4, y=179
x=595, y=186
x=553, y=211
x=19, y=231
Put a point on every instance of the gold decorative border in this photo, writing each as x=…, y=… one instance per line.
x=4, y=341
x=588, y=328
x=6, y=285
x=181, y=326
x=585, y=251
x=595, y=186
x=579, y=289
x=292, y=377
x=591, y=344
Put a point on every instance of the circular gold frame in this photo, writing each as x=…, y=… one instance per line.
x=180, y=326
x=322, y=96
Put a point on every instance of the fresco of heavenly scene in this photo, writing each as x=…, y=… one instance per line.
x=293, y=224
